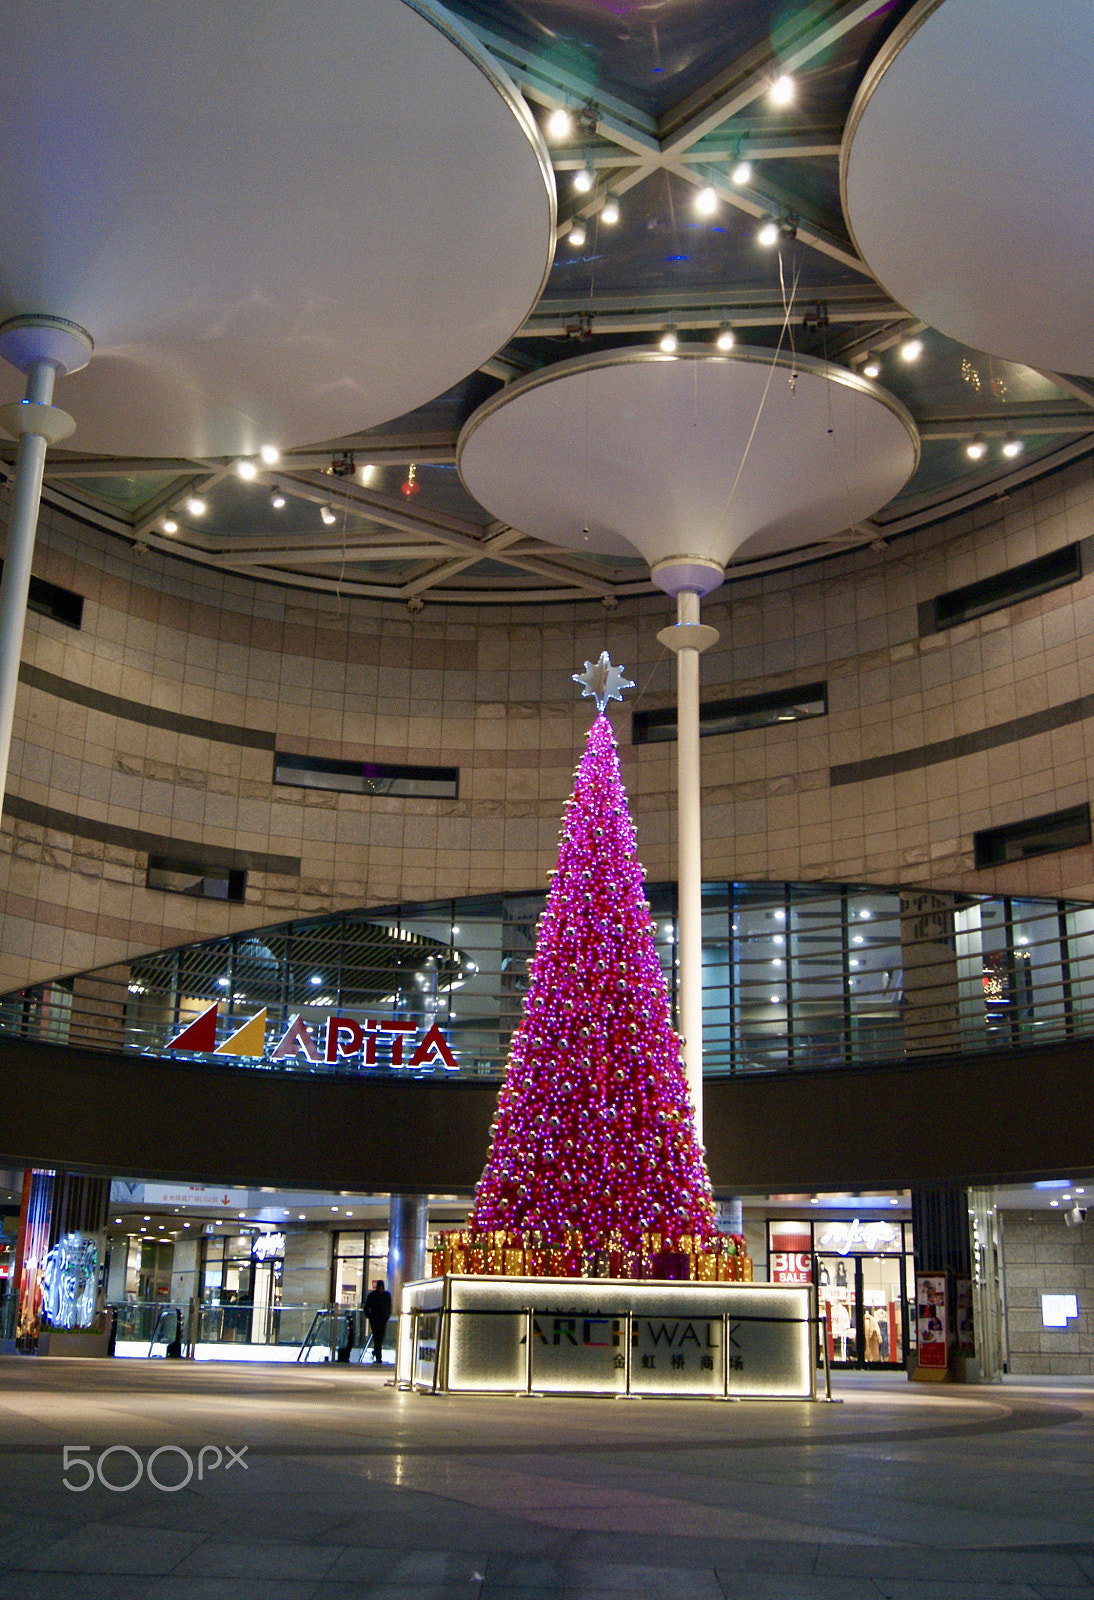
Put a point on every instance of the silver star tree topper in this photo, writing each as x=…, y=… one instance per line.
x=602, y=682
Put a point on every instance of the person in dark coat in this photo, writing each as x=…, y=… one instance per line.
x=377, y=1313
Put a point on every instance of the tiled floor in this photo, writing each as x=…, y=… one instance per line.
x=346, y=1488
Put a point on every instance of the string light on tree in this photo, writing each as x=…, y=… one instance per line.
x=594, y=1135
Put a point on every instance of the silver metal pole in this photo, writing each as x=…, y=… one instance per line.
x=690, y=843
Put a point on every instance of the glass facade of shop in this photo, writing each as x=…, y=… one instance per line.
x=795, y=976
x=864, y=1275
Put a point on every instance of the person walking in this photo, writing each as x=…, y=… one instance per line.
x=377, y=1314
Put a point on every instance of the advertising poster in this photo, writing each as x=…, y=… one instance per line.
x=930, y=1295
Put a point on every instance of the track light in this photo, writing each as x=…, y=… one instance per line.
x=976, y=447
x=609, y=211
x=871, y=367
x=911, y=349
x=1011, y=446
x=559, y=124
x=726, y=337
x=366, y=471
x=270, y=454
x=247, y=470
x=781, y=92
x=196, y=506
x=668, y=341
x=742, y=173
x=769, y=233
x=576, y=235
x=277, y=499
x=706, y=201
x=583, y=177
x=328, y=514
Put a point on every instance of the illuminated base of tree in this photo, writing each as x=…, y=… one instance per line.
x=723, y=1258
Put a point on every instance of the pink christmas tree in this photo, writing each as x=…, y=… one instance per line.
x=595, y=1129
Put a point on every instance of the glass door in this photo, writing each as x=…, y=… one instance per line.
x=865, y=1301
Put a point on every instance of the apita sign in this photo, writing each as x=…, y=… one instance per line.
x=374, y=1042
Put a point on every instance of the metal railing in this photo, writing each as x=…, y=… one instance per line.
x=795, y=977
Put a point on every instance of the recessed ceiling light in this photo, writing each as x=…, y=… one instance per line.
x=247, y=470
x=559, y=123
x=742, y=173
x=706, y=201
x=196, y=506
x=270, y=454
x=782, y=90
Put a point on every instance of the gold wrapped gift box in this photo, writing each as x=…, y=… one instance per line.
x=499, y=1253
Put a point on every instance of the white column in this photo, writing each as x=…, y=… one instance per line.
x=688, y=639
x=689, y=934
x=40, y=347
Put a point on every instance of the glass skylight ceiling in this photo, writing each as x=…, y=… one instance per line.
x=663, y=100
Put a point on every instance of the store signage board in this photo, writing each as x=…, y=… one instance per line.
x=179, y=1194
x=605, y=1336
x=791, y=1266
x=869, y=1238
x=932, y=1319
x=373, y=1043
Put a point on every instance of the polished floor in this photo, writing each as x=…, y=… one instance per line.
x=342, y=1487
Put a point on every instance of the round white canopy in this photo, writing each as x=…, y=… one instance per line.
x=695, y=456
x=966, y=175
x=276, y=224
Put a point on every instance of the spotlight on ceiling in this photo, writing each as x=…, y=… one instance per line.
x=277, y=499
x=726, y=337
x=742, y=173
x=976, y=448
x=270, y=454
x=781, y=92
x=247, y=470
x=668, y=341
x=328, y=514
x=911, y=350
x=576, y=235
x=1011, y=446
x=609, y=211
x=871, y=367
x=768, y=234
x=196, y=506
x=583, y=177
x=366, y=471
x=170, y=525
x=706, y=201
x=559, y=124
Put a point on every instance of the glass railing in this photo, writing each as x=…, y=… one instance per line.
x=304, y=1331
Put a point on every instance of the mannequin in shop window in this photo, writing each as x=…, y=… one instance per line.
x=872, y=1334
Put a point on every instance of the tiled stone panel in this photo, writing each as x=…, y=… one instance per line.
x=242, y=667
x=1042, y=1256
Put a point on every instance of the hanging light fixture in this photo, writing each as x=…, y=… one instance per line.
x=668, y=340
x=706, y=201
x=742, y=173
x=411, y=486
x=768, y=234
x=559, y=124
x=609, y=211
x=583, y=177
x=726, y=337
x=911, y=349
x=196, y=506
x=247, y=469
x=976, y=448
x=576, y=235
x=871, y=367
x=328, y=514
x=277, y=499
x=1012, y=446
x=782, y=88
